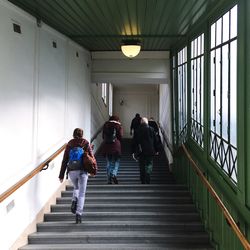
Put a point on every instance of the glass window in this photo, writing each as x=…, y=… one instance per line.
x=197, y=81
x=182, y=94
x=110, y=99
x=223, y=83
x=173, y=93
x=104, y=93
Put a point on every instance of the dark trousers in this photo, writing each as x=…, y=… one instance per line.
x=146, y=167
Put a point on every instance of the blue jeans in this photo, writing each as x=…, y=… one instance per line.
x=113, y=164
x=79, y=179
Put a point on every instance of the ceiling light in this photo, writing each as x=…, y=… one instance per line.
x=131, y=48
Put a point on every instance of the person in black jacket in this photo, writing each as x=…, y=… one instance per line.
x=144, y=146
x=135, y=123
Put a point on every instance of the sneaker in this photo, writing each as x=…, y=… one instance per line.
x=114, y=179
x=78, y=219
x=73, y=206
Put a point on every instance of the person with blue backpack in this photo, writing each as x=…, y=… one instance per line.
x=73, y=163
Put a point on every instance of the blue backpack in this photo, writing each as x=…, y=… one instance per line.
x=75, y=159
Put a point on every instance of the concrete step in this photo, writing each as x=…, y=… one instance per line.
x=131, y=200
x=115, y=246
x=123, y=216
x=117, y=237
x=68, y=226
x=146, y=187
x=128, y=207
x=132, y=193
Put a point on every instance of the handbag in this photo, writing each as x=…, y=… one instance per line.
x=89, y=164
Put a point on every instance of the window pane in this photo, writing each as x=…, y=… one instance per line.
x=212, y=35
x=233, y=95
x=185, y=54
x=217, y=90
x=218, y=31
x=226, y=27
x=192, y=88
x=201, y=87
x=198, y=46
x=197, y=102
x=212, y=88
x=233, y=22
x=202, y=43
x=224, y=107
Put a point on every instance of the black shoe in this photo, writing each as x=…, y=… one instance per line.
x=109, y=180
x=114, y=179
x=78, y=219
x=73, y=206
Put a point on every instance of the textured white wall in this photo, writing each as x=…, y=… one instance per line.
x=44, y=95
x=165, y=117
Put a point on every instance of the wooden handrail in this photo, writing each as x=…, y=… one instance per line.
x=26, y=178
x=35, y=171
x=227, y=215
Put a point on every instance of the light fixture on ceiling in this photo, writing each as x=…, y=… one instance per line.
x=131, y=48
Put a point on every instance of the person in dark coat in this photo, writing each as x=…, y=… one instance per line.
x=112, y=134
x=152, y=123
x=144, y=146
x=78, y=177
x=135, y=123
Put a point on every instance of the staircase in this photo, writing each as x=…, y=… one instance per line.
x=127, y=216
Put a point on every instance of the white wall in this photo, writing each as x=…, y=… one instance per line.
x=135, y=98
x=165, y=117
x=44, y=95
x=99, y=112
x=149, y=67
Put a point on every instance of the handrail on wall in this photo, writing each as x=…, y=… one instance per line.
x=42, y=166
x=227, y=215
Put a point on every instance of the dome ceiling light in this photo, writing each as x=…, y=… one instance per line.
x=131, y=48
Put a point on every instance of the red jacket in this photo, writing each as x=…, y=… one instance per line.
x=115, y=147
x=73, y=143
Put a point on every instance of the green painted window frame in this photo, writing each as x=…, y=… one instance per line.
x=197, y=90
x=223, y=93
x=174, y=82
x=182, y=94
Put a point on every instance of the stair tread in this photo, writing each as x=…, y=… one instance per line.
x=127, y=216
x=136, y=234
x=130, y=222
x=156, y=246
